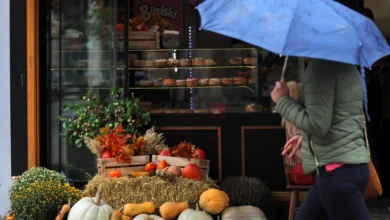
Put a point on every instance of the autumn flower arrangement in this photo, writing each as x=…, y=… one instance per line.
x=111, y=130
x=119, y=144
x=39, y=193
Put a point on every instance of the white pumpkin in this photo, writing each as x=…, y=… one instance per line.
x=243, y=212
x=89, y=208
x=147, y=217
x=191, y=214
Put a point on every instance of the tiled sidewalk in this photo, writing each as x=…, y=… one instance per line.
x=379, y=214
x=379, y=209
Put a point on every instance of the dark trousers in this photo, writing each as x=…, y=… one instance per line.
x=337, y=195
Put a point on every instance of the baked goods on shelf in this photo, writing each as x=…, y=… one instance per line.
x=173, y=62
x=157, y=111
x=149, y=63
x=169, y=82
x=145, y=82
x=181, y=82
x=204, y=82
x=235, y=61
x=227, y=81
x=137, y=63
x=157, y=82
x=239, y=80
x=185, y=111
x=215, y=111
x=209, y=62
x=251, y=108
x=214, y=82
x=199, y=111
x=160, y=62
x=191, y=82
x=171, y=111
x=252, y=80
x=184, y=62
x=250, y=60
x=199, y=61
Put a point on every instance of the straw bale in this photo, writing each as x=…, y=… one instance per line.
x=118, y=191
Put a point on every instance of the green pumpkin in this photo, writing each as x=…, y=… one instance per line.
x=191, y=214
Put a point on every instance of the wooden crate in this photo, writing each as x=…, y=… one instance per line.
x=140, y=40
x=137, y=164
x=204, y=165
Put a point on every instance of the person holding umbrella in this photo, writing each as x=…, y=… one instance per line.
x=333, y=146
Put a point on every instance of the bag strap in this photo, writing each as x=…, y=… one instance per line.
x=365, y=134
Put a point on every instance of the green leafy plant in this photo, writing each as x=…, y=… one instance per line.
x=39, y=193
x=94, y=115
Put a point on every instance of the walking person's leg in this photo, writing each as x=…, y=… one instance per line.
x=311, y=207
x=341, y=192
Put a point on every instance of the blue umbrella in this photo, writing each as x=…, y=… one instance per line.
x=322, y=29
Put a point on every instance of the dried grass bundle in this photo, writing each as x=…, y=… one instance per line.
x=155, y=142
x=117, y=191
x=94, y=146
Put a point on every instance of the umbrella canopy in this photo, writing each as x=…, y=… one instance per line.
x=322, y=29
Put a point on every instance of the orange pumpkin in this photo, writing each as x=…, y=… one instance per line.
x=150, y=167
x=192, y=171
x=214, y=201
x=162, y=165
x=114, y=173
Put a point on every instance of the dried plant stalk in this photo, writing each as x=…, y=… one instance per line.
x=94, y=146
x=155, y=142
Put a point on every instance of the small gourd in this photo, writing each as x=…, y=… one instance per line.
x=132, y=209
x=191, y=214
x=138, y=173
x=147, y=217
x=243, y=212
x=170, y=210
x=125, y=217
x=116, y=215
x=89, y=208
x=214, y=201
x=65, y=209
x=10, y=217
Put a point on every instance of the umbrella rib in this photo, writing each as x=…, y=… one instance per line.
x=288, y=31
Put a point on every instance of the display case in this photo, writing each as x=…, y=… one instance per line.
x=185, y=81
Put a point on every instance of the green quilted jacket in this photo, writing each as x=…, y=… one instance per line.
x=328, y=112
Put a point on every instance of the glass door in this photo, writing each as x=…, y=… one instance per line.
x=82, y=56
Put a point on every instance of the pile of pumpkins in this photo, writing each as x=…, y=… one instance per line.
x=211, y=202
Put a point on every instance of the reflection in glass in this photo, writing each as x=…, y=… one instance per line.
x=82, y=57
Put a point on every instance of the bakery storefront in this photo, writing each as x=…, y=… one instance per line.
x=195, y=87
x=199, y=87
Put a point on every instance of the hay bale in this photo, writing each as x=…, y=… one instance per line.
x=117, y=191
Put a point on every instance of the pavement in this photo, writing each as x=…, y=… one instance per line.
x=379, y=209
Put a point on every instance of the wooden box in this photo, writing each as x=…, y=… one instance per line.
x=140, y=40
x=137, y=164
x=204, y=165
